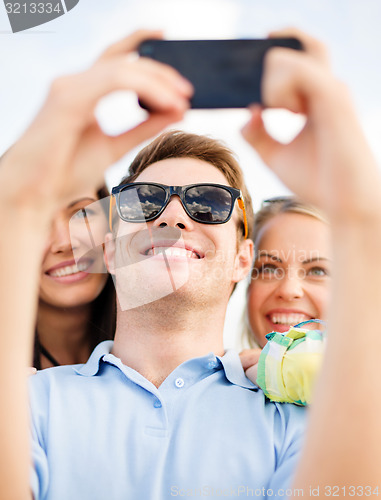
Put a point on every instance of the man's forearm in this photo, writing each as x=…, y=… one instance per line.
x=20, y=256
x=344, y=423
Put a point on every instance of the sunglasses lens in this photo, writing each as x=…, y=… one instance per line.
x=141, y=202
x=208, y=203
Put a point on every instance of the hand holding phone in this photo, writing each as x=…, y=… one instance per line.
x=224, y=73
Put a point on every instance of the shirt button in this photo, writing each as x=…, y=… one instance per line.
x=179, y=383
x=157, y=404
x=212, y=364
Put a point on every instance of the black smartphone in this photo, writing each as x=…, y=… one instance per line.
x=224, y=73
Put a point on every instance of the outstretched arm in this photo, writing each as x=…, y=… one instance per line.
x=330, y=165
x=61, y=152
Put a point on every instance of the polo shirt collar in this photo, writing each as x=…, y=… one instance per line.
x=92, y=366
x=230, y=362
x=233, y=370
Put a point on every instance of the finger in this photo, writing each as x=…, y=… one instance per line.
x=311, y=45
x=152, y=81
x=249, y=357
x=168, y=75
x=292, y=78
x=252, y=373
x=120, y=145
x=130, y=43
x=255, y=134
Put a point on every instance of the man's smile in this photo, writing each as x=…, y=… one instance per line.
x=173, y=249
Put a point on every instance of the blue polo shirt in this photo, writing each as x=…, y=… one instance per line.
x=102, y=431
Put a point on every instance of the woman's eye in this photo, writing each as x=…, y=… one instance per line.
x=83, y=213
x=267, y=270
x=317, y=272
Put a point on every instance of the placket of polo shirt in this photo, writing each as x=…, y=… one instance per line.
x=174, y=388
x=158, y=416
x=171, y=391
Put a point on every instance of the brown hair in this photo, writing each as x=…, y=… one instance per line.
x=179, y=144
x=269, y=209
x=102, y=321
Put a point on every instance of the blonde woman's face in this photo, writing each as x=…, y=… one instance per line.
x=291, y=276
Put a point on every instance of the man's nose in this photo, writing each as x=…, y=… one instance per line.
x=174, y=215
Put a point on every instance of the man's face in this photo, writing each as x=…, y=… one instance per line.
x=173, y=256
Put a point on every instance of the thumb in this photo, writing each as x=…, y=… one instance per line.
x=249, y=357
x=255, y=134
x=252, y=373
x=153, y=125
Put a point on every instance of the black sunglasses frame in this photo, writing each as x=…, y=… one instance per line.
x=277, y=199
x=179, y=191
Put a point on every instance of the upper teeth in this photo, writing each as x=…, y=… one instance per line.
x=288, y=319
x=173, y=252
x=67, y=270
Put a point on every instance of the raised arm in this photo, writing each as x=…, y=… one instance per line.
x=61, y=152
x=330, y=165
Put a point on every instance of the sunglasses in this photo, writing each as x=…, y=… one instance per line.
x=204, y=203
x=277, y=199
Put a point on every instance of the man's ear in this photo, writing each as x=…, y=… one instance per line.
x=109, y=253
x=243, y=260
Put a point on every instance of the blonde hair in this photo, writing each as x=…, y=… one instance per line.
x=271, y=208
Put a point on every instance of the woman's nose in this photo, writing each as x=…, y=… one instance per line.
x=60, y=237
x=290, y=285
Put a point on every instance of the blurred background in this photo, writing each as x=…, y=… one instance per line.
x=29, y=61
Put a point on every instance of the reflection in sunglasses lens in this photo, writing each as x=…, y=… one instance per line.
x=208, y=203
x=204, y=203
x=139, y=203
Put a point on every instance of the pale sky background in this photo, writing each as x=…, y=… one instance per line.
x=30, y=60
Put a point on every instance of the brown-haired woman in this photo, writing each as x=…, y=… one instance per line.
x=76, y=307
